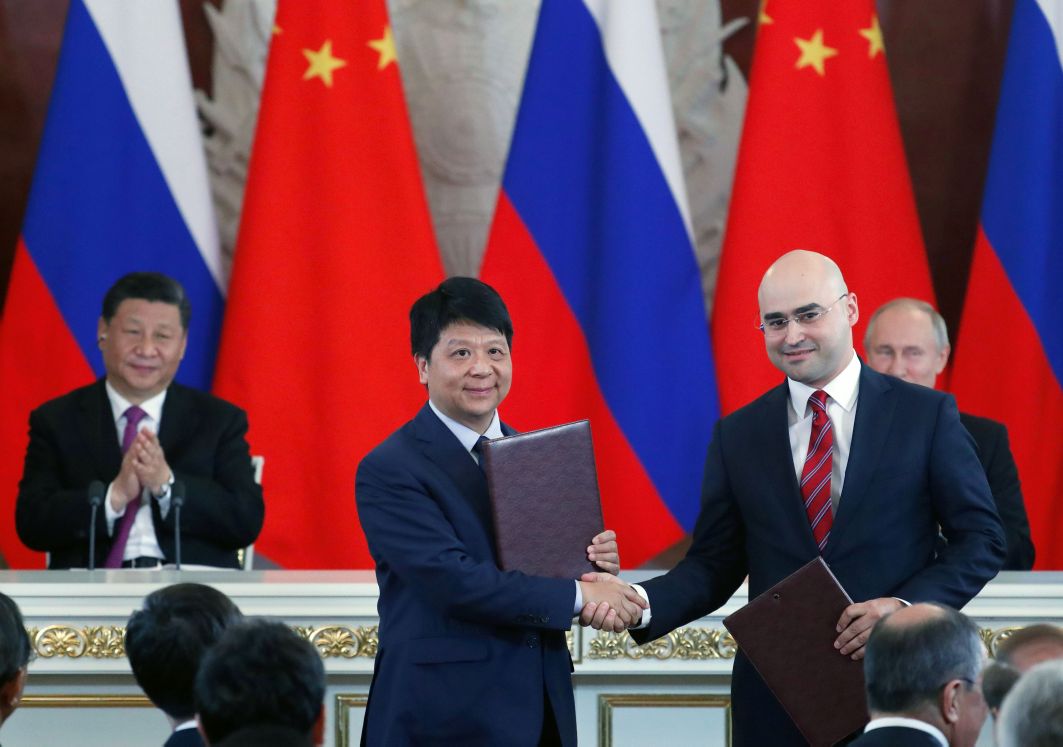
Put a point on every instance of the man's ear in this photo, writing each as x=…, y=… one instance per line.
x=101, y=331
x=422, y=368
x=11, y=693
x=949, y=701
x=318, y=731
x=202, y=732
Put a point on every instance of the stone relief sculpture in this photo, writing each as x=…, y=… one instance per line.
x=462, y=63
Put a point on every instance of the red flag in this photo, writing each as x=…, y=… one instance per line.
x=821, y=166
x=334, y=246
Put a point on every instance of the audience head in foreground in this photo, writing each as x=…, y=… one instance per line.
x=15, y=654
x=1032, y=713
x=167, y=638
x=261, y=684
x=924, y=665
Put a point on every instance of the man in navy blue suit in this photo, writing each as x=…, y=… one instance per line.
x=468, y=654
x=900, y=465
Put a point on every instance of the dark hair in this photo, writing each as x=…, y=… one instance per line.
x=997, y=680
x=14, y=642
x=147, y=286
x=906, y=665
x=166, y=640
x=259, y=673
x=456, y=299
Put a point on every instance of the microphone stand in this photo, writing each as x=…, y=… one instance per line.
x=96, y=493
x=177, y=499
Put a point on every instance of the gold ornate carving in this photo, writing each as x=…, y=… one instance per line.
x=340, y=641
x=85, y=701
x=694, y=644
x=94, y=642
x=993, y=638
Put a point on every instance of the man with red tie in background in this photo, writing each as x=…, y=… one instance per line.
x=838, y=461
x=138, y=432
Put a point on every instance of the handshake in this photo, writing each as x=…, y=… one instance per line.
x=609, y=604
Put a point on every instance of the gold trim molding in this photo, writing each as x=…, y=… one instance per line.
x=85, y=701
x=607, y=704
x=693, y=644
x=93, y=642
x=344, y=703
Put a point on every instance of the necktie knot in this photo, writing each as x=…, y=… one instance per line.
x=134, y=415
x=478, y=447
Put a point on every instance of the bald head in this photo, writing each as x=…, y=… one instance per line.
x=808, y=287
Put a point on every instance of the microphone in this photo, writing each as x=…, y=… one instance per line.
x=177, y=499
x=96, y=493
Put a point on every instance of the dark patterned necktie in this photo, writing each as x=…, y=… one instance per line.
x=133, y=416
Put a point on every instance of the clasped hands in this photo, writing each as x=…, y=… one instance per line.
x=609, y=604
x=143, y=466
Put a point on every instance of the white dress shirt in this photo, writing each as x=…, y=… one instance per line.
x=910, y=723
x=468, y=438
x=842, y=394
x=142, y=541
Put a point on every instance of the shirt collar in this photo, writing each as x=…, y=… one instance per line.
x=191, y=724
x=119, y=404
x=464, y=433
x=842, y=389
x=911, y=723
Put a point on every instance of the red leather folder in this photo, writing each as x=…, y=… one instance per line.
x=788, y=634
x=544, y=499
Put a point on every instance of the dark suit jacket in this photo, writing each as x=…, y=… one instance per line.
x=185, y=737
x=73, y=441
x=895, y=736
x=991, y=440
x=467, y=652
x=911, y=467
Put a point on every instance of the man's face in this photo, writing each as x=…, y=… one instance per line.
x=468, y=373
x=902, y=344
x=816, y=352
x=142, y=346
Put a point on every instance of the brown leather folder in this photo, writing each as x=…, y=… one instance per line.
x=544, y=499
x=788, y=634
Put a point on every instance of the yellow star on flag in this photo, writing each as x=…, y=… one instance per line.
x=385, y=47
x=814, y=52
x=764, y=18
x=322, y=63
x=873, y=34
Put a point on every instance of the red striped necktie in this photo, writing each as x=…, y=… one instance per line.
x=815, y=476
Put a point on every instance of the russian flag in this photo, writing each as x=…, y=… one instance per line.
x=1008, y=363
x=120, y=185
x=592, y=250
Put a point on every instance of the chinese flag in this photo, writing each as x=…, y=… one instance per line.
x=821, y=166
x=334, y=247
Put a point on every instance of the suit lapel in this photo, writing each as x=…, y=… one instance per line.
x=443, y=449
x=95, y=420
x=874, y=417
x=780, y=472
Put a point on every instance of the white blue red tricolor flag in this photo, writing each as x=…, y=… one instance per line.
x=1008, y=363
x=591, y=249
x=120, y=185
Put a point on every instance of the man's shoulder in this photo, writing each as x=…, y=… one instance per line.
x=73, y=399
x=753, y=413
x=398, y=445
x=196, y=399
x=977, y=425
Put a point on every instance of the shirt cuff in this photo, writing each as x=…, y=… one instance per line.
x=645, y=621
x=579, y=600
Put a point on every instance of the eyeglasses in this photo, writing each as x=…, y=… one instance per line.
x=776, y=326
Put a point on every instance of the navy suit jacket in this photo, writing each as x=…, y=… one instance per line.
x=991, y=440
x=73, y=441
x=467, y=651
x=911, y=467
